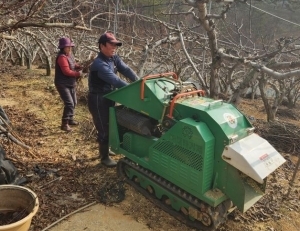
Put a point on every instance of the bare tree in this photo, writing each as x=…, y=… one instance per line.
x=234, y=53
x=223, y=48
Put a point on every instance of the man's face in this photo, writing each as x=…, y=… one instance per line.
x=109, y=49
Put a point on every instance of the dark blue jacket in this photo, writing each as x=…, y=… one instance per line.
x=103, y=78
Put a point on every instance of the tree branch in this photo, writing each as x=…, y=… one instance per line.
x=190, y=60
x=260, y=67
x=44, y=25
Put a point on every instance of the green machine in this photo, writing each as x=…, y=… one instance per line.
x=195, y=157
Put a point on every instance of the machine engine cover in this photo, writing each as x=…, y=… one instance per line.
x=253, y=156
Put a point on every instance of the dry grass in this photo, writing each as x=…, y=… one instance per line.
x=34, y=108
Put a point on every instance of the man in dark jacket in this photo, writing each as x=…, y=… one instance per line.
x=102, y=80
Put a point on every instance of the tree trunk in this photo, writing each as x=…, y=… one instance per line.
x=209, y=27
x=48, y=66
x=270, y=111
x=236, y=96
x=22, y=59
x=28, y=62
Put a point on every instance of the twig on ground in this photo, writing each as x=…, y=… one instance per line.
x=76, y=211
x=51, y=181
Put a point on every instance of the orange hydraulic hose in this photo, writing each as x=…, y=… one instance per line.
x=179, y=96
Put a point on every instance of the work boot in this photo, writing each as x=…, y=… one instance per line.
x=108, y=162
x=65, y=126
x=111, y=153
x=73, y=122
x=105, y=159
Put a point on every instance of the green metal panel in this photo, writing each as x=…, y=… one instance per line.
x=114, y=138
x=189, y=153
x=223, y=120
x=242, y=190
x=137, y=144
x=219, y=116
x=185, y=156
x=154, y=102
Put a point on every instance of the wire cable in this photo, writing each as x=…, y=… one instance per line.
x=296, y=24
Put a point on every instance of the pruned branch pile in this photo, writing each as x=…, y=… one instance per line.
x=285, y=137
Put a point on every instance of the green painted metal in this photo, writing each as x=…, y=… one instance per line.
x=224, y=121
x=114, y=137
x=243, y=191
x=220, y=117
x=188, y=153
x=185, y=156
x=137, y=144
x=154, y=102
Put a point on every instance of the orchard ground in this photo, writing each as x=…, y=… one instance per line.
x=64, y=171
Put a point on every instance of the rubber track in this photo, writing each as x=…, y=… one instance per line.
x=218, y=215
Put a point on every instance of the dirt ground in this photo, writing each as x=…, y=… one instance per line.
x=64, y=171
x=99, y=218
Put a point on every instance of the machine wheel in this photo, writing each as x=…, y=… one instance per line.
x=136, y=180
x=206, y=219
x=166, y=200
x=198, y=215
x=150, y=189
x=184, y=211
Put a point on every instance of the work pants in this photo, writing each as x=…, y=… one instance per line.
x=99, y=109
x=68, y=96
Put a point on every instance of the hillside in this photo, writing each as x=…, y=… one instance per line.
x=70, y=160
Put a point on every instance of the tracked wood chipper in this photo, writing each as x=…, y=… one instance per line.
x=195, y=157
